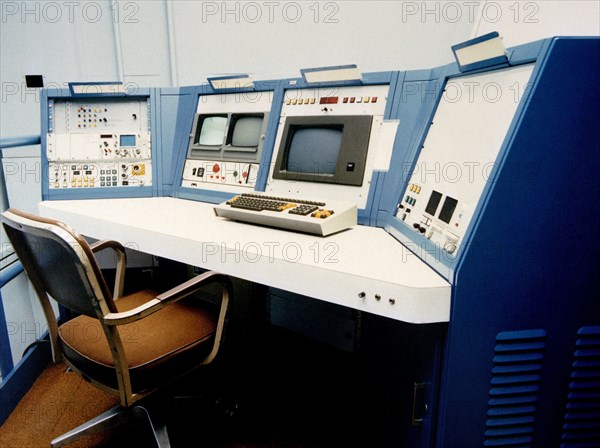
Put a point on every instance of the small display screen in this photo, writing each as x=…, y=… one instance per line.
x=434, y=202
x=329, y=100
x=211, y=131
x=448, y=209
x=314, y=149
x=246, y=131
x=127, y=140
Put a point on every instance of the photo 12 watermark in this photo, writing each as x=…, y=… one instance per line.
x=69, y=11
x=269, y=252
x=270, y=12
x=466, y=91
x=470, y=11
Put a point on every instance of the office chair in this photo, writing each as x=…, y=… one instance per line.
x=129, y=345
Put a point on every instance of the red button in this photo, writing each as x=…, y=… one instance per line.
x=374, y=99
x=216, y=168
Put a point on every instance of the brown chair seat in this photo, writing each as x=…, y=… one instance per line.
x=176, y=337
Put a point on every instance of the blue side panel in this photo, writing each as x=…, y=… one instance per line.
x=394, y=96
x=167, y=108
x=157, y=145
x=269, y=144
x=156, y=148
x=541, y=212
x=44, y=143
x=19, y=381
x=185, y=118
x=368, y=216
x=365, y=217
x=362, y=217
x=6, y=362
x=417, y=94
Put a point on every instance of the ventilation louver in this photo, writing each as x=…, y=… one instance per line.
x=582, y=418
x=515, y=386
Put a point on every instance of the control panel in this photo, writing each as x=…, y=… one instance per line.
x=99, y=143
x=329, y=141
x=196, y=173
x=99, y=174
x=226, y=141
x=460, y=154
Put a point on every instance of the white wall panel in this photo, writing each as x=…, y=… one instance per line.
x=277, y=39
x=64, y=41
x=144, y=43
x=520, y=22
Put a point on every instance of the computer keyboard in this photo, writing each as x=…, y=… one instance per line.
x=296, y=214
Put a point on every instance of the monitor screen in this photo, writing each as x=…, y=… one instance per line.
x=324, y=148
x=127, y=140
x=246, y=131
x=314, y=149
x=219, y=134
x=210, y=130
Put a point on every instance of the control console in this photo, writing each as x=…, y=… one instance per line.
x=226, y=142
x=459, y=158
x=98, y=143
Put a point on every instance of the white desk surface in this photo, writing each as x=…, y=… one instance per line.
x=336, y=268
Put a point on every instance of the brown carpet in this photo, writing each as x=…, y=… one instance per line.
x=316, y=412
x=57, y=402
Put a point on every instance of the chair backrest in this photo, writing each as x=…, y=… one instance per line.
x=59, y=262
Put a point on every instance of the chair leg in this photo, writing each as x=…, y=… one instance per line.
x=112, y=419
x=161, y=435
x=108, y=420
x=157, y=425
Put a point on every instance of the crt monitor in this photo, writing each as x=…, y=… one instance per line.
x=228, y=132
x=324, y=149
x=244, y=133
x=209, y=132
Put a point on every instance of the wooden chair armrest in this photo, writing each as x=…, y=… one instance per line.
x=121, y=263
